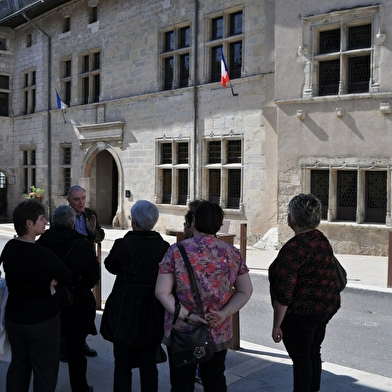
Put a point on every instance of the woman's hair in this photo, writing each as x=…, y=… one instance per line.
x=63, y=217
x=24, y=211
x=145, y=214
x=305, y=210
x=208, y=217
x=189, y=218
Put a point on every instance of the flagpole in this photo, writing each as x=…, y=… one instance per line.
x=62, y=111
x=232, y=91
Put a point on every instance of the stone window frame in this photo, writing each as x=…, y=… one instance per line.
x=361, y=168
x=224, y=42
x=28, y=166
x=65, y=168
x=224, y=167
x=29, y=85
x=177, y=168
x=91, y=74
x=5, y=93
x=176, y=53
x=308, y=50
x=66, y=80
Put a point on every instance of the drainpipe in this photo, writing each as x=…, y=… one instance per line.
x=195, y=101
x=49, y=129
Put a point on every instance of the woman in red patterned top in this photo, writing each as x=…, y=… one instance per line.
x=225, y=287
x=304, y=292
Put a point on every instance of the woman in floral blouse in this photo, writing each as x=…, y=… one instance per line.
x=304, y=292
x=224, y=285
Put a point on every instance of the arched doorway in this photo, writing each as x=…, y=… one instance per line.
x=107, y=187
x=103, y=179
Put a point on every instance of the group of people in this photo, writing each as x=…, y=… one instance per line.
x=63, y=256
x=150, y=274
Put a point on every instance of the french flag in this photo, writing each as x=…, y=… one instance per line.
x=224, y=74
x=60, y=103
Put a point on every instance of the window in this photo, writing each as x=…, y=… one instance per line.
x=3, y=44
x=226, y=34
x=66, y=67
x=29, y=92
x=223, y=171
x=65, y=168
x=90, y=77
x=4, y=95
x=357, y=195
x=28, y=40
x=346, y=50
x=172, y=172
x=320, y=188
x=93, y=15
x=28, y=169
x=344, y=46
x=176, y=58
x=66, y=24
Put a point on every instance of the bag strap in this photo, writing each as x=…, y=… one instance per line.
x=192, y=281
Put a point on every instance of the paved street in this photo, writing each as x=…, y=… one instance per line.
x=261, y=365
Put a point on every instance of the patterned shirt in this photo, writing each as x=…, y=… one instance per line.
x=216, y=266
x=303, y=277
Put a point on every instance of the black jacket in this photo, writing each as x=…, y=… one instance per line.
x=132, y=313
x=85, y=271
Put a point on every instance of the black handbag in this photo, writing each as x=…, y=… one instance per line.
x=341, y=274
x=64, y=295
x=189, y=348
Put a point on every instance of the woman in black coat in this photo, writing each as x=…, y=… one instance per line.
x=77, y=319
x=133, y=317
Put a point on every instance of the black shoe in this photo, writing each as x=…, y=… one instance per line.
x=90, y=388
x=88, y=351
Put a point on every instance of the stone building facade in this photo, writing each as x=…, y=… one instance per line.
x=308, y=110
x=334, y=118
x=147, y=116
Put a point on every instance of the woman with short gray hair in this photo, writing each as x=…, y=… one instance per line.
x=144, y=215
x=133, y=317
x=63, y=217
x=77, y=319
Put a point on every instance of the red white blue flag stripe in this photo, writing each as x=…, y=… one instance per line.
x=224, y=74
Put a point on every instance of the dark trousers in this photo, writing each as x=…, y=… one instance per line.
x=127, y=357
x=77, y=362
x=35, y=349
x=302, y=337
x=212, y=374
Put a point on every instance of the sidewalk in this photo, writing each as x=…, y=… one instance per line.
x=253, y=367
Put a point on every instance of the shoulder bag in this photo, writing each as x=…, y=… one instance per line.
x=341, y=274
x=189, y=348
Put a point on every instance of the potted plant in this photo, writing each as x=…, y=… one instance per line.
x=35, y=193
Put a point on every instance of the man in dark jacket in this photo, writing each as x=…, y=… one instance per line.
x=86, y=222
x=77, y=319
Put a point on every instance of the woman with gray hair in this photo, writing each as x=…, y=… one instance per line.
x=304, y=292
x=133, y=317
x=77, y=319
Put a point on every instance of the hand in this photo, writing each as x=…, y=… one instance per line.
x=54, y=282
x=215, y=317
x=277, y=334
x=196, y=319
x=91, y=223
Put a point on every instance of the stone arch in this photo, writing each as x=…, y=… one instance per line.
x=88, y=166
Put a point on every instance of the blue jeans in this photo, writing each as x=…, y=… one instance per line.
x=302, y=337
x=212, y=374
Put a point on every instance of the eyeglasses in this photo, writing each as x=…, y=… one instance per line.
x=187, y=225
